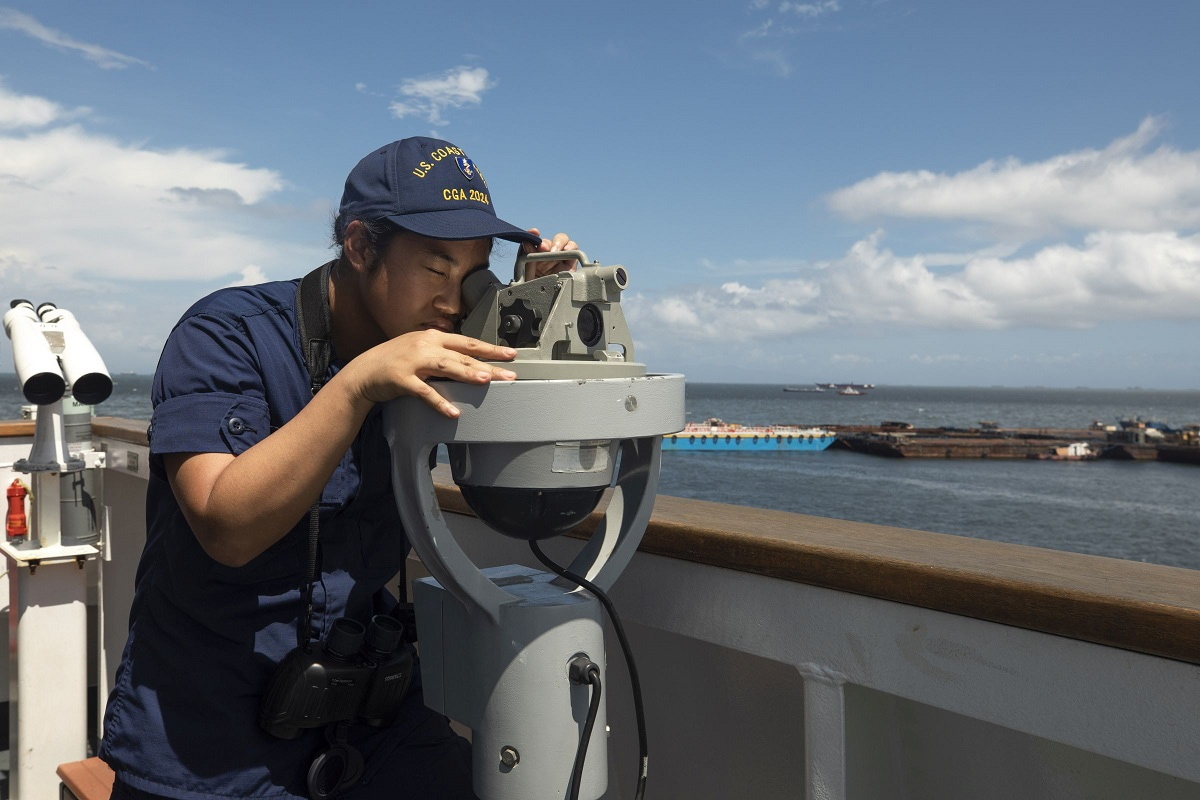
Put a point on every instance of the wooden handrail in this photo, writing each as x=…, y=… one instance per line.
x=124, y=430
x=12, y=428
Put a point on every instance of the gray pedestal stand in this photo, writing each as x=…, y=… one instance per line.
x=495, y=644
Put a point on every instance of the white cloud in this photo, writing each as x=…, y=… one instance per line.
x=430, y=97
x=251, y=274
x=1112, y=276
x=1125, y=186
x=19, y=112
x=809, y=10
x=1131, y=262
x=107, y=228
x=12, y=19
x=732, y=312
x=1122, y=275
x=675, y=312
x=75, y=204
x=761, y=32
x=769, y=42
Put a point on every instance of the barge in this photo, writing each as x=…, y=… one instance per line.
x=715, y=435
x=983, y=444
x=892, y=440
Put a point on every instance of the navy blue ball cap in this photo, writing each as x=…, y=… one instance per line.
x=427, y=186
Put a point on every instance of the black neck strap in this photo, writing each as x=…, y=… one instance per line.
x=312, y=306
x=312, y=310
x=313, y=321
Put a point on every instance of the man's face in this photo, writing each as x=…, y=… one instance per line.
x=418, y=282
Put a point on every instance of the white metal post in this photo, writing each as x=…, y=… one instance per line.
x=824, y=733
x=47, y=674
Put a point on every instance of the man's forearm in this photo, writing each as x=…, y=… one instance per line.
x=239, y=506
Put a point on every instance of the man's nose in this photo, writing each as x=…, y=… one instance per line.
x=449, y=302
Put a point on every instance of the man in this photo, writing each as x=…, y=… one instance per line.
x=241, y=448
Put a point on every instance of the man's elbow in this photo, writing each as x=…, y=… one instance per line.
x=224, y=547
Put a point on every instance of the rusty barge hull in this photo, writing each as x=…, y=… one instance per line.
x=1179, y=454
x=950, y=448
x=935, y=443
x=1015, y=443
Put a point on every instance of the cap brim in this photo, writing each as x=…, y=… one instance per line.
x=462, y=223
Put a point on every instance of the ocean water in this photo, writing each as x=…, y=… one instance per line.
x=935, y=407
x=1145, y=511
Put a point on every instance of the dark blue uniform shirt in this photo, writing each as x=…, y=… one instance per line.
x=203, y=637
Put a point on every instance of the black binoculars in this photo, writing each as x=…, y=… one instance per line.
x=358, y=673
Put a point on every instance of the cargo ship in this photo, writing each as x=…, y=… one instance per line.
x=717, y=435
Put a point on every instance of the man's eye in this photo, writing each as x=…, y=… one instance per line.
x=437, y=272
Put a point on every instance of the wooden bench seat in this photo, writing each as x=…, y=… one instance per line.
x=90, y=779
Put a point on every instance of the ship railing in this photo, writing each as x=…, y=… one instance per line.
x=865, y=661
x=784, y=655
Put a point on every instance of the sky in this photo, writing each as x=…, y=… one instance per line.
x=905, y=192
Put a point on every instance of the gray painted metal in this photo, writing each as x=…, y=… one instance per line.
x=508, y=682
x=636, y=411
x=545, y=319
x=496, y=655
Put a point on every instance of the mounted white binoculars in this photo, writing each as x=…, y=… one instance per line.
x=51, y=353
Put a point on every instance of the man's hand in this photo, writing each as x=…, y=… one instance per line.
x=403, y=365
x=560, y=242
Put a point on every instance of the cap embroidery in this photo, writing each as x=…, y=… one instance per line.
x=393, y=183
x=466, y=166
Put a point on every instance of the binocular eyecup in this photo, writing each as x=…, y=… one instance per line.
x=51, y=353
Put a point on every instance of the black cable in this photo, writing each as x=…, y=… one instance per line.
x=304, y=631
x=635, y=682
x=592, y=676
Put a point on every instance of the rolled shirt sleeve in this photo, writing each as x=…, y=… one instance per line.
x=209, y=393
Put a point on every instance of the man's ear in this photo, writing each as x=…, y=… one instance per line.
x=356, y=246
